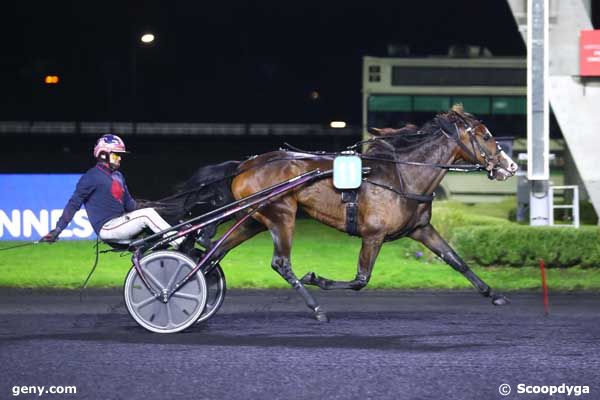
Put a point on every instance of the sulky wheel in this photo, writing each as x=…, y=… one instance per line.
x=215, y=282
x=163, y=269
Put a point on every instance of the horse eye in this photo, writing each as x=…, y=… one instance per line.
x=487, y=137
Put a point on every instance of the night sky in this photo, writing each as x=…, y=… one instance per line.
x=226, y=61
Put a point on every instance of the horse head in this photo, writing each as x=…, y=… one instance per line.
x=476, y=143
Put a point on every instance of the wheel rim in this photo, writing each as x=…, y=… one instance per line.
x=164, y=269
x=216, y=288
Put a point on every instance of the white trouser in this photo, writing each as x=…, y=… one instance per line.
x=132, y=224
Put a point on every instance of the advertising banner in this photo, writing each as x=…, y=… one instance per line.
x=589, y=53
x=31, y=204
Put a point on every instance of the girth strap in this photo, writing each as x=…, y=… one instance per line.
x=350, y=197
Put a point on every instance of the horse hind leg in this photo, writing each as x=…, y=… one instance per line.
x=366, y=260
x=281, y=264
x=280, y=220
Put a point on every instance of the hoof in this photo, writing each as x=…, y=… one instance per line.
x=321, y=316
x=500, y=300
x=309, y=279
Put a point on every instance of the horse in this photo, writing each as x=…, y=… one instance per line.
x=394, y=201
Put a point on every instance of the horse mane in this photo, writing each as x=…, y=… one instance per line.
x=410, y=137
x=405, y=139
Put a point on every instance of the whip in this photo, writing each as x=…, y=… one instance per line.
x=20, y=245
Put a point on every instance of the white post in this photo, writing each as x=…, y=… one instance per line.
x=538, y=117
x=576, y=206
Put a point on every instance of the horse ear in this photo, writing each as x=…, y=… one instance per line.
x=458, y=108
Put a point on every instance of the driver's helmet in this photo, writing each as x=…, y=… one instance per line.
x=109, y=144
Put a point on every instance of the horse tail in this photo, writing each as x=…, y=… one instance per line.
x=207, y=189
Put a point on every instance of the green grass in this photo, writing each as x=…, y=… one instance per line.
x=498, y=210
x=316, y=248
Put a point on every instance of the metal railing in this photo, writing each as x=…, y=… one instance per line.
x=573, y=206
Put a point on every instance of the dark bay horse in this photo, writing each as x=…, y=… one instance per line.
x=406, y=165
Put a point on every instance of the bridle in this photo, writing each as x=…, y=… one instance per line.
x=452, y=132
x=490, y=161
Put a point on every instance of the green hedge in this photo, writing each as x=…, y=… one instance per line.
x=523, y=246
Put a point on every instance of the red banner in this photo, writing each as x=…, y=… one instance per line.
x=589, y=53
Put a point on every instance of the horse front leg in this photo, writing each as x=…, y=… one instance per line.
x=434, y=242
x=366, y=260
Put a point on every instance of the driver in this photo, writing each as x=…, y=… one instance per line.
x=113, y=213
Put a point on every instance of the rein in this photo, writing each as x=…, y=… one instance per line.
x=232, y=175
x=454, y=135
x=450, y=167
x=451, y=131
x=422, y=198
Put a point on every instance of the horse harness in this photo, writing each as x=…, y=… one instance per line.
x=350, y=196
x=451, y=131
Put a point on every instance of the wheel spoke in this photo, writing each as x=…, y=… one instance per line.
x=172, y=280
x=156, y=312
x=154, y=280
x=186, y=296
x=143, y=303
x=169, y=315
x=165, y=271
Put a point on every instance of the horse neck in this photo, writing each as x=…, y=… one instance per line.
x=424, y=179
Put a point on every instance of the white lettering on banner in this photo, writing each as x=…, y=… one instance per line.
x=84, y=228
x=28, y=223
x=55, y=216
x=12, y=225
x=30, y=220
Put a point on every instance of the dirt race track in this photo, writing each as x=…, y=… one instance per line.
x=263, y=345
